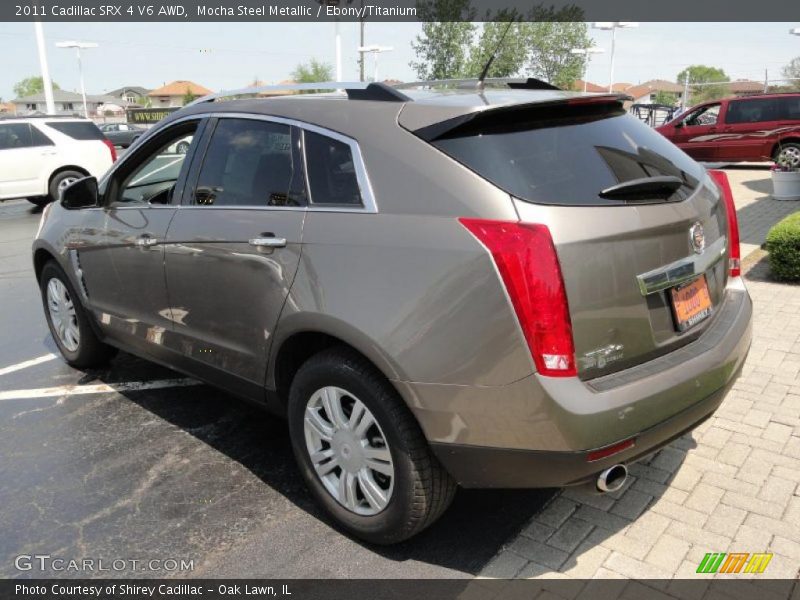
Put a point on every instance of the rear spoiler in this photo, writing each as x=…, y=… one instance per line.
x=448, y=122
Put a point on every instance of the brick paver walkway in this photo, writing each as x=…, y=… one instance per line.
x=732, y=485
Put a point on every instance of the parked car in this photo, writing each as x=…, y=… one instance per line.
x=40, y=156
x=500, y=289
x=122, y=134
x=755, y=128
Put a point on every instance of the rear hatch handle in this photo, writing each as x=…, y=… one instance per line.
x=646, y=188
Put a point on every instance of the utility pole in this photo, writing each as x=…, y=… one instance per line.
x=361, y=44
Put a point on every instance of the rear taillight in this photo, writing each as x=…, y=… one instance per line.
x=526, y=259
x=721, y=179
x=111, y=149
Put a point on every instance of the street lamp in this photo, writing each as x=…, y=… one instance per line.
x=78, y=47
x=587, y=52
x=613, y=26
x=374, y=49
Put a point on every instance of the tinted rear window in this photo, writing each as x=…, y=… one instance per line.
x=77, y=130
x=567, y=154
x=764, y=109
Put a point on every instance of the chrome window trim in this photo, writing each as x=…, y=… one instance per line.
x=682, y=269
x=369, y=205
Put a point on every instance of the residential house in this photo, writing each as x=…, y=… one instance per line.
x=173, y=94
x=646, y=93
x=7, y=108
x=578, y=86
x=70, y=103
x=129, y=93
x=745, y=87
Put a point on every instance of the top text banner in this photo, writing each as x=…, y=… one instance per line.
x=398, y=10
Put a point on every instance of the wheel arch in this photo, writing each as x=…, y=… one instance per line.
x=66, y=168
x=41, y=256
x=794, y=139
x=299, y=343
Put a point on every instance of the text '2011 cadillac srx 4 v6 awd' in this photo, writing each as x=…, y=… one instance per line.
x=479, y=287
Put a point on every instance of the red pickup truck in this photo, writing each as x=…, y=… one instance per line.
x=755, y=128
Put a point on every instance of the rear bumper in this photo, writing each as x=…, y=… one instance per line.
x=538, y=432
x=481, y=467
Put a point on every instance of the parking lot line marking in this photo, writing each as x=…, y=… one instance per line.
x=97, y=388
x=28, y=363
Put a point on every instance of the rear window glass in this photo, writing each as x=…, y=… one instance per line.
x=566, y=155
x=331, y=171
x=77, y=130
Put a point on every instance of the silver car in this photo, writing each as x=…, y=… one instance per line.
x=437, y=287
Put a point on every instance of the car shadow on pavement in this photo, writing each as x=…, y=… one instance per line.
x=463, y=540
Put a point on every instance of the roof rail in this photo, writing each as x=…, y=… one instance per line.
x=514, y=83
x=358, y=90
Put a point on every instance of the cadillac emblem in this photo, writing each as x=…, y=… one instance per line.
x=697, y=238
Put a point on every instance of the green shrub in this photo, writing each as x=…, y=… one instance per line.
x=783, y=245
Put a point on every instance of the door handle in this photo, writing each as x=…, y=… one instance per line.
x=145, y=241
x=268, y=242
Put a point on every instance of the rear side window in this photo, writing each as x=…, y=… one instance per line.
x=77, y=130
x=567, y=154
x=763, y=109
x=332, y=175
x=250, y=163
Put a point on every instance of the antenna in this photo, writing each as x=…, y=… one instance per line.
x=492, y=57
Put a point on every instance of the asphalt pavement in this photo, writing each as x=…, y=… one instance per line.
x=186, y=473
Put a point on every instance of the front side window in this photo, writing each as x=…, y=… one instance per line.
x=153, y=178
x=707, y=115
x=331, y=171
x=251, y=162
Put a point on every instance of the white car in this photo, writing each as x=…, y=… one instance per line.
x=40, y=156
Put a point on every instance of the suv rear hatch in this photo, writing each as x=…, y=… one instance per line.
x=632, y=218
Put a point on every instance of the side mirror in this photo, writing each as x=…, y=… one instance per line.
x=81, y=194
x=679, y=124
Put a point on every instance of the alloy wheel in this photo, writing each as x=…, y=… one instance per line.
x=348, y=451
x=790, y=155
x=62, y=314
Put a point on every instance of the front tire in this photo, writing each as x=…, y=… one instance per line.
x=40, y=201
x=61, y=181
x=352, y=434
x=68, y=321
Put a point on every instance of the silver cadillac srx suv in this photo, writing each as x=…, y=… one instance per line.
x=485, y=287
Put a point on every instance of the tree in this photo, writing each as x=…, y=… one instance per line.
x=443, y=47
x=188, y=96
x=511, y=54
x=705, y=75
x=665, y=98
x=30, y=86
x=549, y=43
x=792, y=71
x=313, y=72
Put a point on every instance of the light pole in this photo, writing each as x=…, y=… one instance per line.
x=613, y=26
x=78, y=47
x=374, y=49
x=47, y=83
x=587, y=52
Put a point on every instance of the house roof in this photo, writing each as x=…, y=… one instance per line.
x=590, y=87
x=746, y=85
x=180, y=88
x=58, y=96
x=662, y=85
x=620, y=87
x=136, y=89
x=637, y=91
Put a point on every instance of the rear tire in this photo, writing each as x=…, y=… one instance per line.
x=418, y=490
x=791, y=151
x=68, y=321
x=61, y=181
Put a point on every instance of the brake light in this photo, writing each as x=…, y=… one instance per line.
x=610, y=450
x=111, y=149
x=721, y=179
x=526, y=259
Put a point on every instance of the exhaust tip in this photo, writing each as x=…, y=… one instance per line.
x=612, y=478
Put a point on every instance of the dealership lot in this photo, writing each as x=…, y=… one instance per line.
x=177, y=473
x=134, y=462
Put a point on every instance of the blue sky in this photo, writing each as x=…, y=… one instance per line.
x=149, y=54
